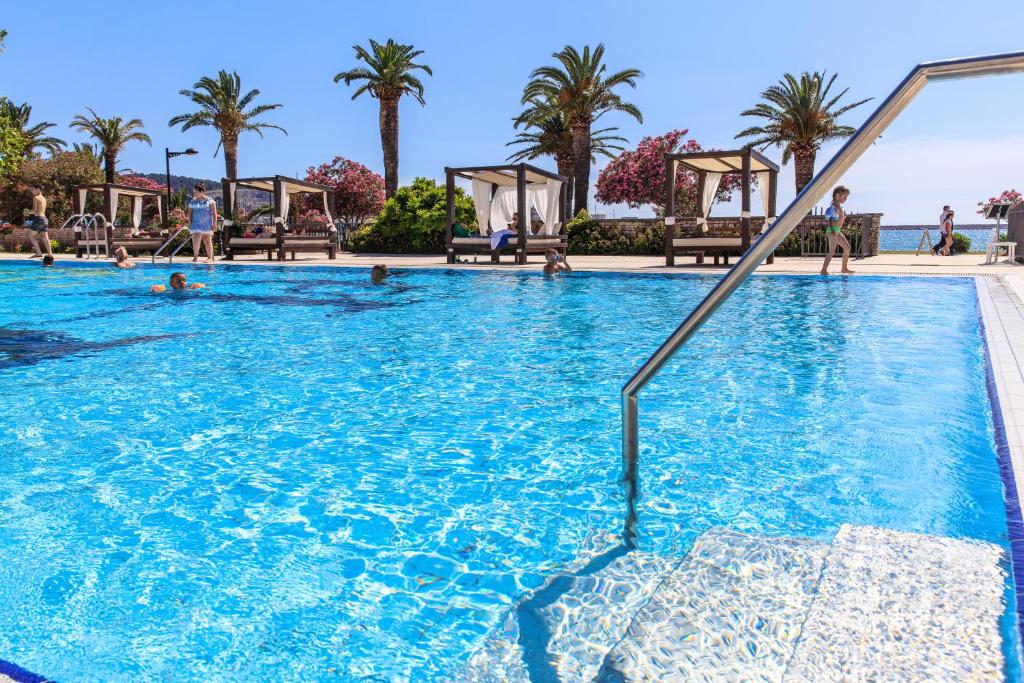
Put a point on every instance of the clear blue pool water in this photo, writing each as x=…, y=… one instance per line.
x=296, y=475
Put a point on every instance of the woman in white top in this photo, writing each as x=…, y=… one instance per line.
x=202, y=216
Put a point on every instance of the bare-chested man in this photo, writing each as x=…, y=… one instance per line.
x=37, y=224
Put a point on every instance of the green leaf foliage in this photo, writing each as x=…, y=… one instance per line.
x=413, y=221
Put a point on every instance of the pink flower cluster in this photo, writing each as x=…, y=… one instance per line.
x=141, y=182
x=637, y=177
x=358, y=191
x=1011, y=197
x=313, y=216
x=177, y=218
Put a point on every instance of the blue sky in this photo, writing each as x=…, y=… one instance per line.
x=702, y=62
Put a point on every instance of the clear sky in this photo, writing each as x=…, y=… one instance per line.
x=702, y=62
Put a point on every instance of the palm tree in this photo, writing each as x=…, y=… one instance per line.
x=547, y=134
x=223, y=106
x=112, y=134
x=35, y=137
x=388, y=74
x=800, y=117
x=582, y=93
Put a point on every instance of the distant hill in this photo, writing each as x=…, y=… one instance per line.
x=181, y=182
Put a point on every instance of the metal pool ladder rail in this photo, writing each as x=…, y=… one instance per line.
x=890, y=108
x=170, y=257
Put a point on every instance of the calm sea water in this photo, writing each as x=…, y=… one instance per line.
x=907, y=240
x=296, y=475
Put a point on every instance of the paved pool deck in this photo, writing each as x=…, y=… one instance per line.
x=884, y=264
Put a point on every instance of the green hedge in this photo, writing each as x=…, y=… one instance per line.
x=587, y=237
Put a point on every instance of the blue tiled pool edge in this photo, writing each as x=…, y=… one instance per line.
x=20, y=675
x=1014, y=519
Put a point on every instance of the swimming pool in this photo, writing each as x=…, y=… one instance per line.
x=296, y=475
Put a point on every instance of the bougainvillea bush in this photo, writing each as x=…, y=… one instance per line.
x=313, y=216
x=358, y=191
x=413, y=221
x=1011, y=197
x=637, y=177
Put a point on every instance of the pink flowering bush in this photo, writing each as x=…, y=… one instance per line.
x=1011, y=197
x=358, y=191
x=637, y=177
x=314, y=216
x=177, y=218
x=141, y=182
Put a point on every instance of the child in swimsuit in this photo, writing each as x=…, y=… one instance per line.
x=835, y=216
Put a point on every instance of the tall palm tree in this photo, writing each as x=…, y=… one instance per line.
x=389, y=73
x=112, y=134
x=35, y=136
x=548, y=134
x=583, y=93
x=800, y=117
x=223, y=106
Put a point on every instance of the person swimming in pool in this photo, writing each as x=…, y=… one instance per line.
x=378, y=273
x=556, y=263
x=835, y=216
x=177, y=282
x=122, y=260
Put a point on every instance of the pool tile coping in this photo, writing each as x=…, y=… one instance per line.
x=1001, y=309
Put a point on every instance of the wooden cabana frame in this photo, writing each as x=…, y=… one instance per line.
x=281, y=188
x=112, y=192
x=507, y=175
x=745, y=163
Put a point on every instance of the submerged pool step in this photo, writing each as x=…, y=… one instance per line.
x=732, y=610
x=876, y=604
x=893, y=605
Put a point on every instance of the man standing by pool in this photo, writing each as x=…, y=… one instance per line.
x=37, y=224
x=836, y=217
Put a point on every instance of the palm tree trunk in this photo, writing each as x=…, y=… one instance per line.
x=566, y=167
x=581, y=163
x=804, y=167
x=110, y=166
x=230, y=157
x=389, y=144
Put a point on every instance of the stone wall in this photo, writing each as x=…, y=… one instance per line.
x=729, y=226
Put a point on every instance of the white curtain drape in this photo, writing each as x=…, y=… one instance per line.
x=550, y=211
x=545, y=199
x=160, y=208
x=327, y=209
x=286, y=200
x=136, y=213
x=482, y=203
x=114, y=196
x=82, y=194
x=707, y=198
x=503, y=205
x=763, y=183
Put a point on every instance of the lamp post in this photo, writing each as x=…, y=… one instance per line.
x=167, y=157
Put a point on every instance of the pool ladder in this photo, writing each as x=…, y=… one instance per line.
x=170, y=257
x=93, y=227
x=869, y=131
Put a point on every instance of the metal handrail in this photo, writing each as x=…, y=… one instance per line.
x=170, y=258
x=870, y=130
x=97, y=222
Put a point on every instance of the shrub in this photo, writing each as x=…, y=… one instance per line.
x=57, y=177
x=413, y=221
x=358, y=191
x=961, y=243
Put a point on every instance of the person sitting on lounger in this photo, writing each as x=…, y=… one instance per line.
x=556, y=263
x=122, y=260
x=179, y=283
x=378, y=273
x=499, y=239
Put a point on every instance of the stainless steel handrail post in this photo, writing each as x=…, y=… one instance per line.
x=870, y=130
x=169, y=240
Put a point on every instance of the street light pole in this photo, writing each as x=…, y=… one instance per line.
x=167, y=158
